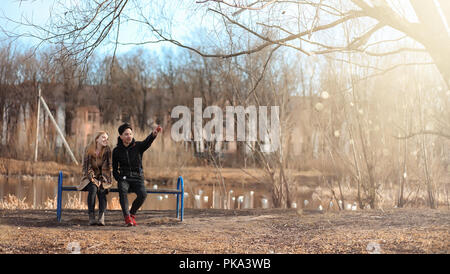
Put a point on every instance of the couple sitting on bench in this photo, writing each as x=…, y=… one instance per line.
x=126, y=169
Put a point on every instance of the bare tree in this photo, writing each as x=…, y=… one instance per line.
x=371, y=28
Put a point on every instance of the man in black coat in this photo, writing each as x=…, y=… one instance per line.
x=127, y=170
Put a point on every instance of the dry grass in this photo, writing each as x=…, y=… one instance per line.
x=75, y=203
x=50, y=203
x=11, y=202
x=12, y=166
x=114, y=204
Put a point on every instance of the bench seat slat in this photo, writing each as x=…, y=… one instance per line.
x=160, y=190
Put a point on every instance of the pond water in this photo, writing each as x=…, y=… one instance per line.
x=40, y=193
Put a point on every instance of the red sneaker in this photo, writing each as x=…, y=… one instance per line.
x=128, y=221
x=133, y=219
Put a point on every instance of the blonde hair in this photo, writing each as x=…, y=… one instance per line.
x=92, y=147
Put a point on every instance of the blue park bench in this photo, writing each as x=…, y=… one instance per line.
x=179, y=192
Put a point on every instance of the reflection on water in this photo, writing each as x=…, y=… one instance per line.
x=206, y=196
x=34, y=192
x=41, y=192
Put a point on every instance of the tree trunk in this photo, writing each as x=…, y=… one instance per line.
x=433, y=34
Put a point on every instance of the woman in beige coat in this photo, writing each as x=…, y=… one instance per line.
x=97, y=176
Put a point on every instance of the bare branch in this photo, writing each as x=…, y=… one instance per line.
x=425, y=132
x=263, y=72
x=397, y=51
x=249, y=7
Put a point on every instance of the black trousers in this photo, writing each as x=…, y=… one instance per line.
x=94, y=191
x=135, y=185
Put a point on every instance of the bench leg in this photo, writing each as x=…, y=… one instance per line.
x=178, y=207
x=59, y=197
x=178, y=198
x=182, y=199
x=182, y=207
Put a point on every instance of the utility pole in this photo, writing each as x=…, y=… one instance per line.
x=44, y=104
x=36, y=144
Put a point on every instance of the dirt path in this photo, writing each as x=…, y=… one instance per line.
x=220, y=231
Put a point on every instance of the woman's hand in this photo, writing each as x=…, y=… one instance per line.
x=95, y=181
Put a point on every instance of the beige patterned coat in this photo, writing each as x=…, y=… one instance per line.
x=96, y=170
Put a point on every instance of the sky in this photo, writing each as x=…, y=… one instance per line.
x=38, y=12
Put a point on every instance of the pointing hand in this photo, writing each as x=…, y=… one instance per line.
x=157, y=130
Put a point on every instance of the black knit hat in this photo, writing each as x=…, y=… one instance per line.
x=123, y=127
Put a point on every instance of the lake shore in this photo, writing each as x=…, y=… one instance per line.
x=243, y=176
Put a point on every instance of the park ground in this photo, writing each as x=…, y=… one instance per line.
x=215, y=231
